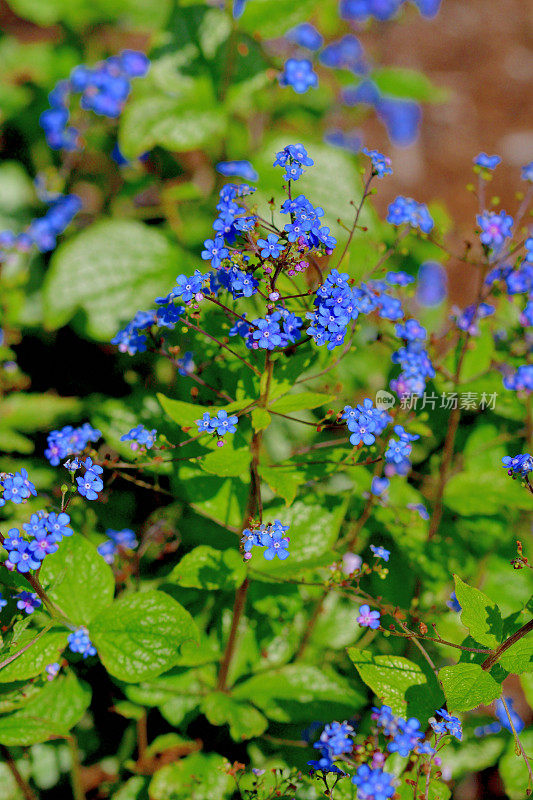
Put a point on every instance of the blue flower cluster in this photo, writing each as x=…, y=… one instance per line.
x=104, y=89
x=220, y=424
x=117, y=542
x=405, y=735
x=140, y=437
x=413, y=359
x=382, y=10
x=43, y=231
x=44, y=531
x=373, y=784
x=365, y=422
x=79, y=642
x=280, y=328
x=335, y=740
x=380, y=552
x=305, y=226
x=521, y=464
x=69, y=441
x=293, y=158
x=406, y=210
x=336, y=307
x=398, y=452
x=521, y=380
x=271, y=536
x=495, y=228
x=448, y=724
x=16, y=487
x=381, y=165
x=467, y=320
x=90, y=484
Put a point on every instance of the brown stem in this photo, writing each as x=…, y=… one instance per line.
x=254, y=505
x=356, y=220
x=496, y=655
x=313, y=619
x=24, y=787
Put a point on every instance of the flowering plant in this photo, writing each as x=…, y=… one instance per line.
x=275, y=548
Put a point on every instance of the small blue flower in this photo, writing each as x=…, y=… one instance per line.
x=368, y=618
x=487, y=162
x=380, y=552
x=223, y=423
x=271, y=246
x=276, y=544
x=27, y=601
x=381, y=165
x=79, y=642
x=299, y=74
x=214, y=251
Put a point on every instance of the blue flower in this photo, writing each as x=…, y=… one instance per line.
x=380, y=552
x=58, y=525
x=521, y=464
x=188, y=287
x=495, y=228
x=276, y=543
x=140, y=436
x=406, y=210
x=271, y=246
x=397, y=451
x=305, y=35
x=69, y=441
x=27, y=601
x=89, y=485
x=79, y=642
x=223, y=423
x=487, y=162
x=503, y=717
x=432, y=284
x=336, y=738
x=22, y=558
x=266, y=335
x=214, y=251
x=368, y=618
x=527, y=172
x=299, y=74
x=373, y=784
x=3, y=603
x=204, y=424
x=379, y=485
x=381, y=165
x=240, y=169
x=453, y=603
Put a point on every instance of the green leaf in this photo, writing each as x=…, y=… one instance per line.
x=79, y=580
x=513, y=769
x=37, y=412
x=295, y=692
x=314, y=528
x=267, y=17
x=220, y=499
x=44, y=650
x=207, y=568
x=300, y=402
x=139, y=636
x=109, y=271
x=519, y=657
x=172, y=123
x=196, y=777
x=479, y=614
x=52, y=712
x=232, y=459
x=245, y=721
x=408, y=83
x=467, y=686
x=485, y=492
x=283, y=480
x=186, y=414
x=261, y=419
x=399, y=683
